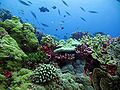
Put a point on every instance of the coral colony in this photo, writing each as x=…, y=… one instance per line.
x=30, y=60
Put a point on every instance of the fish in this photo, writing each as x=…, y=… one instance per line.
x=0, y=3
x=56, y=29
x=62, y=28
x=65, y=37
x=82, y=9
x=24, y=3
x=68, y=13
x=59, y=12
x=45, y=25
x=66, y=33
x=29, y=2
x=43, y=9
x=33, y=14
x=64, y=16
x=61, y=22
x=65, y=3
x=54, y=7
x=92, y=12
x=83, y=19
x=21, y=12
x=118, y=1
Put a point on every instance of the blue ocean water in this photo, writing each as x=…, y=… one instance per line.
x=106, y=17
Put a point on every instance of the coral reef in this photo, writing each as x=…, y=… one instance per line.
x=30, y=60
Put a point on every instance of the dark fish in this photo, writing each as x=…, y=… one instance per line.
x=29, y=2
x=43, y=29
x=21, y=11
x=66, y=33
x=65, y=3
x=118, y=1
x=65, y=37
x=62, y=28
x=92, y=11
x=82, y=9
x=64, y=16
x=56, y=29
x=0, y=3
x=54, y=7
x=57, y=35
x=83, y=19
x=43, y=9
x=62, y=21
x=24, y=3
x=59, y=11
x=68, y=13
x=44, y=24
x=33, y=14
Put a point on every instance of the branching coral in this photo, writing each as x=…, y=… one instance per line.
x=44, y=74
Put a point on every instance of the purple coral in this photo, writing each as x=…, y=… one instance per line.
x=83, y=51
x=78, y=35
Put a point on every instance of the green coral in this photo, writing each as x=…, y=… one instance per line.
x=44, y=73
x=3, y=83
x=49, y=40
x=37, y=56
x=23, y=33
x=2, y=32
x=68, y=82
x=96, y=44
x=21, y=79
x=114, y=51
x=8, y=46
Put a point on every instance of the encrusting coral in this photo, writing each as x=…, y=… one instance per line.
x=21, y=80
x=9, y=47
x=23, y=33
